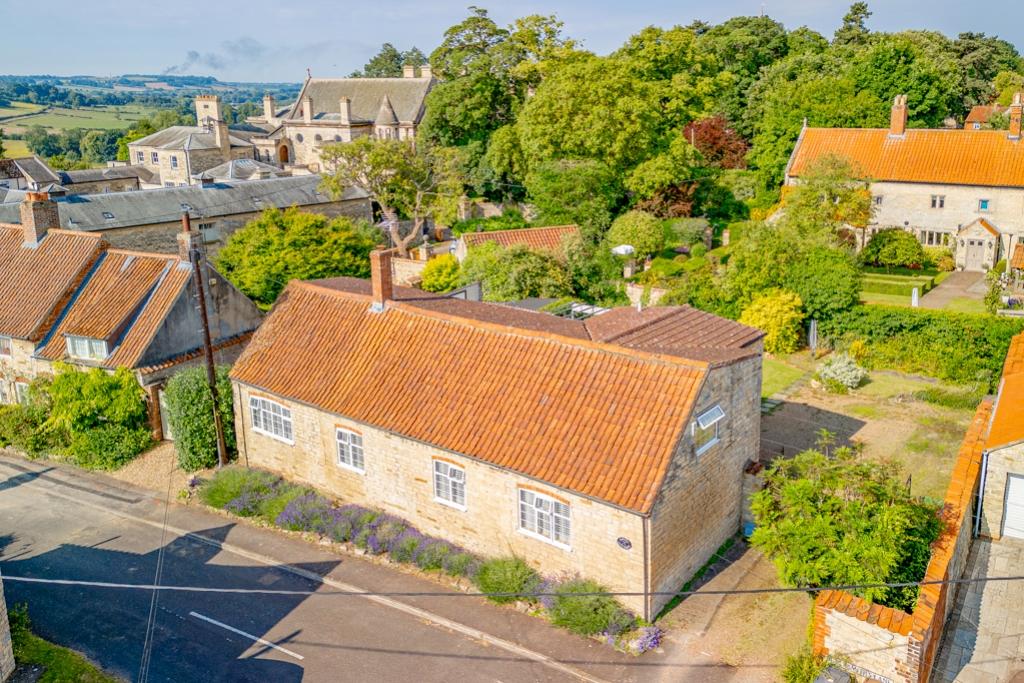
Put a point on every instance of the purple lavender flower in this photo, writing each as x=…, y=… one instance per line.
x=650, y=638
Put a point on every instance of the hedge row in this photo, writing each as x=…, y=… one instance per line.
x=569, y=602
x=879, y=284
x=957, y=347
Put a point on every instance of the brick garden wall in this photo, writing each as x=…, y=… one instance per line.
x=891, y=644
x=6, y=648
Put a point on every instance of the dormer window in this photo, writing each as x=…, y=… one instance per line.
x=109, y=216
x=85, y=348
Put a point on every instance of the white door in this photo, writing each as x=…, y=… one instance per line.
x=975, y=254
x=1013, y=515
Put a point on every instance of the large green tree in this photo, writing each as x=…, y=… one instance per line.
x=515, y=273
x=279, y=246
x=388, y=62
x=586, y=193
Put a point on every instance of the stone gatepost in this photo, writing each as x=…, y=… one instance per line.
x=6, y=647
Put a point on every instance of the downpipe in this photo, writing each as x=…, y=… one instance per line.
x=981, y=493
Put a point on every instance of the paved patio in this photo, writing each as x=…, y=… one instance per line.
x=959, y=285
x=984, y=638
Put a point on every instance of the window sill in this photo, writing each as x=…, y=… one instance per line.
x=708, y=446
x=350, y=468
x=545, y=539
x=275, y=437
x=448, y=503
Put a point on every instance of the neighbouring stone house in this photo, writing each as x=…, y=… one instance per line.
x=550, y=238
x=175, y=154
x=332, y=110
x=35, y=175
x=958, y=188
x=150, y=220
x=613, y=447
x=68, y=297
x=980, y=115
x=1002, y=474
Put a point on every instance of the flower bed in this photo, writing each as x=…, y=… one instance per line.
x=578, y=604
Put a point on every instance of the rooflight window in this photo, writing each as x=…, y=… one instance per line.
x=186, y=207
x=705, y=428
x=85, y=348
x=108, y=215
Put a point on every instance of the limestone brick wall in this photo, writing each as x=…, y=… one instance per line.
x=911, y=202
x=873, y=652
x=6, y=647
x=407, y=271
x=701, y=500
x=20, y=366
x=398, y=478
x=1002, y=463
x=98, y=186
x=635, y=293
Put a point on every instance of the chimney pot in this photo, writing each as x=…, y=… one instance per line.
x=408, y=71
x=380, y=278
x=39, y=214
x=1016, y=109
x=898, y=117
x=425, y=71
x=187, y=239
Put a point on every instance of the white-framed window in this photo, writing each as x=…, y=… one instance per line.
x=705, y=428
x=271, y=418
x=938, y=201
x=6, y=346
x=174, y=161
x=154, y=157
x=544, y=517
x=983, y=205
x=140, y=156
x=21, y=392
x=449, y=484
x=350, y=450
x=878, y=200
x=86, y=348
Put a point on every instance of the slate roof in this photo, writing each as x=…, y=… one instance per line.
x=86, y=212
x=92, y=175
x=406, y=96
x=35, y=281
x=548, y=238
x=943, y=156
x=33, y=168
x=241, y=169
x=1007, y=424
x=187, y=138
x=525, y=391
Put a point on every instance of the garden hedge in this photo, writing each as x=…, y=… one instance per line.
x=956, y=347
x=880, y=284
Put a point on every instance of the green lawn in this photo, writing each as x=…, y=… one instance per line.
x=15, y=148
x=965, y=305
x=887, y=299
x=776, y=376
x=60, y=665
x=99, y=118
x=19, y=109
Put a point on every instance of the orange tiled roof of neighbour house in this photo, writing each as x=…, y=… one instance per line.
x=35, y=281
x=981, y=113
x=1017, y=261
x=943, y=156
x=585, y=416
x=1008, y=419
x=543, y=239
x=123, y=301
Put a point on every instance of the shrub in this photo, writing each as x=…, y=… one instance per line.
x=698, y=250
x=461, y=563
x=21, y=427
x=271, y=507
x=510, y=219
x=957, y=347
x=842, y=370
x=431, y=554
x=230, y=482
x=893, y=248
x=639, y=229
x=386, y=532
x=803, y=667
x=107, y=447
x=939, y=258
x=441, y=274
x=506, y=575
x=190, y=415
x=404, y=548
x=588, y=614
x=962, y=400
x=308, y=512
x=778, y=313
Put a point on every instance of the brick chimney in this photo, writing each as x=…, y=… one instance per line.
x=307, y=109
x=408, y=71
x=898, y=117
x=345, y=108
x=39, y=214
x=268, y=107
x=187, y=239
x=1015, y=115
x=425, y=71
x=380, y=278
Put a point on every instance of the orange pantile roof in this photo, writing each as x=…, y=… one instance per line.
x=942, y=156
x=981, y=113
x=588, y=417
x=541, y=239
x=35, y=282
x=1017, y=262
x=1008, y=419
x=123, y=301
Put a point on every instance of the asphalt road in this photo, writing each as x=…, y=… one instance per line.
x=62, y=524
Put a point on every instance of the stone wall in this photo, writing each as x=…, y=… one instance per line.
x=6, y=647
x=106, y=185
x=636, y=294
x=1002, y=462
x=398, y=478
x=407, y=271
x=866, y=638
x=19, y=367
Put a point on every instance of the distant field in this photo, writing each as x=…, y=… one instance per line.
x=101, y=118
x=19, y=109
x=15, y=148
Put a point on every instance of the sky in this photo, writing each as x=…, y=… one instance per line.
x=259, y=40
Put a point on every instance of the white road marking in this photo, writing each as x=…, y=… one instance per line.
x=197, y=615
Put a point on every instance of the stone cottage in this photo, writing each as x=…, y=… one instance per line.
x=68, y=297
x=956, y=188
x=612, y=447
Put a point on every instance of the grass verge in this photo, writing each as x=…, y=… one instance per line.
x=777, y=376
x=59, y=664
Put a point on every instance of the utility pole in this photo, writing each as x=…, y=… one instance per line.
x=195, y=258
